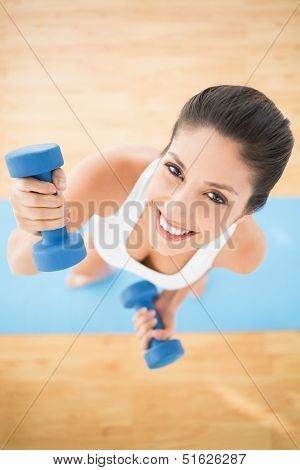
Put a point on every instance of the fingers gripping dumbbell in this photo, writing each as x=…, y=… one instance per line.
x=58, y=249
x=160, y=352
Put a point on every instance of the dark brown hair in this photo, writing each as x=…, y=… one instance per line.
x=251, y=119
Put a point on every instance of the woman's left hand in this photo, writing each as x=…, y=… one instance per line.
x=166, y=307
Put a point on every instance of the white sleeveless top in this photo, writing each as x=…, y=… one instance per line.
x=110, y=235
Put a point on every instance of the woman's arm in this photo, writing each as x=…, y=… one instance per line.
x=93, y=186
x=248, y=251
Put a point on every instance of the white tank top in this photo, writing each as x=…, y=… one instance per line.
x=110, y=235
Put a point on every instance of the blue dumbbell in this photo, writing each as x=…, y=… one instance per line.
x=58, y=249
x=160, y=352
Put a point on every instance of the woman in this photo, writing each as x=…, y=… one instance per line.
x=194, y=200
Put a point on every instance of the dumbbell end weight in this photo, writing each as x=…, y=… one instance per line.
x=33, y=160
x=165, y=353
x=53, y=257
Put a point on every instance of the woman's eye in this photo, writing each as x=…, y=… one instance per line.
x=173, y=170
x=219, y=199
x=176, y=172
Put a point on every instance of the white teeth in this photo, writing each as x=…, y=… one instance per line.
x=168, y=228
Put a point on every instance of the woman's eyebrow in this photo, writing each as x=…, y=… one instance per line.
x=177, y=159
x=211, y=183
x=222, y=186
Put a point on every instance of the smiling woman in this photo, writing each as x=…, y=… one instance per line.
x=228, y=148
x=189, y=207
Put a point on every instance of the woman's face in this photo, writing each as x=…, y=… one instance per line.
x=185, y=191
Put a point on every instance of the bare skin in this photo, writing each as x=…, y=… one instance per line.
x=37, y=212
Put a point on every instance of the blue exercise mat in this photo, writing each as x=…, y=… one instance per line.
x=268, y=299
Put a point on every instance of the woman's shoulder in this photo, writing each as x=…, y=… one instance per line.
x=136, y=158
x=107, y=177
x=126, y=163
x=246, y=250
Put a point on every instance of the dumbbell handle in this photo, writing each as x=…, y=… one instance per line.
x=159, y=325
x=55, y=236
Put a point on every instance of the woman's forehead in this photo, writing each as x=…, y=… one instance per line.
x=205, y=142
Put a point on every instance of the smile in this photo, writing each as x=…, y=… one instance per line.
x=168, y=231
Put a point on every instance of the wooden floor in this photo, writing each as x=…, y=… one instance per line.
x=90, y=75
x=103, y=397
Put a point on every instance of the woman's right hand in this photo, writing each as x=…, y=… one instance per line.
x=165, y=306
x=35, y=206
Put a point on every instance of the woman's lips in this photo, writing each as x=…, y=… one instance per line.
x=167, y=235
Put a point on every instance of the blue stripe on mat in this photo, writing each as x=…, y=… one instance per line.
x=268, y=299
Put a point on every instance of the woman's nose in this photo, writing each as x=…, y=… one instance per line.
x=178, y=210
x=181, y=199
x=183, y=194
x=185, y=208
